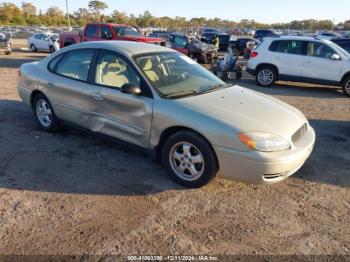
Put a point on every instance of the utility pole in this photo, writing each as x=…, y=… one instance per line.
x=69, y=28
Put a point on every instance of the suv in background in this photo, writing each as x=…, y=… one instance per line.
x=300, y=59
x=261, y=34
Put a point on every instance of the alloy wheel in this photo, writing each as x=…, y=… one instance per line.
x=43, y=112
x=347, y=87
x=186, y=161
x=265, y=77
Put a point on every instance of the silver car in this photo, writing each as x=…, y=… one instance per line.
x=161, y=100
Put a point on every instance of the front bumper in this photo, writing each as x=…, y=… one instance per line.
x=265, y=168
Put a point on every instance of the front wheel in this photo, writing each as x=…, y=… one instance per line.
x=33, y=48
x=266, y=76
x=52, y=49
x=44, y=114
x=346, y=86
x=189, y=159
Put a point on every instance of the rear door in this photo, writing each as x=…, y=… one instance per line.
x=73, y=98
x=180, y=44
x=318, y=64
x=91, y=33
x=288, y=56
x=124, y=116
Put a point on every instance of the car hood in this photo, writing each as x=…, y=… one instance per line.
x=247, y=110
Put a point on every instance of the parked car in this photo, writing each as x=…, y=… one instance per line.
x=327, y=35
x=343, y=43
x=224, y=40
x=261, y=34
x=192, y=47
x=98, y=32
x=240, y=45
x=43, y=42
x=162, y=101
x=300, y=59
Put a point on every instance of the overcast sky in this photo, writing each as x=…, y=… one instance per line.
x=268, y=11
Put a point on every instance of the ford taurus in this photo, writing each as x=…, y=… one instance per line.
x=161, y=100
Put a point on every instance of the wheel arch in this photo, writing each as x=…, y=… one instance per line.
x=175, y=129
x=347, y=74
x=34, y=94
x=268, y=64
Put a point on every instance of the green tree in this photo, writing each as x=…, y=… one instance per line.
x=96, y=7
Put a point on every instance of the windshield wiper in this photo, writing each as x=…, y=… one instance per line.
x=181, y=94
x=214, y=88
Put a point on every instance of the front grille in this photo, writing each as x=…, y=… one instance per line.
x=299, y=133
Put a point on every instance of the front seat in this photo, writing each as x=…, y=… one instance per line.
x=113, y=75
x=147, y=67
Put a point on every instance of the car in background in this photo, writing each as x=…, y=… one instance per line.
x=165, y=103
x=200, y=52
x=224, y=40
x=327, y=35
x=240, y=45
x=343, y=43
x=106, y=31
x=43, y=42
x=300, y=59
x=262, y=33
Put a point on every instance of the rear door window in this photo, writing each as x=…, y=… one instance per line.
x=76, y=64
x=105, y=32
x=287, y=47
x=91, y=31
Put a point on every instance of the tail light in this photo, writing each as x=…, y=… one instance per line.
x=254, y=54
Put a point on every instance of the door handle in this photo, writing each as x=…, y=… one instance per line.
x=97, y=96
x=51, y=84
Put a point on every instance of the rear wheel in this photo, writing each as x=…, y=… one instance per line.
x=52, y=49
x=189, y=159
x=346, y=86
x=266, y=76
x=44, y=114
x=33, y=48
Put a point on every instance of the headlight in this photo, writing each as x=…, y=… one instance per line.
x=264, y=142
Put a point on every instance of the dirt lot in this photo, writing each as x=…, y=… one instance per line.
x=74, y=193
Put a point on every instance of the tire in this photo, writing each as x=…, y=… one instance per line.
x=33, y=48
x=346, y=86
x=189, y=159
x=51, y=49
x=266, y=76
x=44, y=114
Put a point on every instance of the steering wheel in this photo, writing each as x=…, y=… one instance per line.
x=182, y=76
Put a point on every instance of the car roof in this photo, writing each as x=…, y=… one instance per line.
x=127, y=48
x=301, y=38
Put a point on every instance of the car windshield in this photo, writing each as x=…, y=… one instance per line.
x=175, y=75
x=339, y=49
x=126, y=30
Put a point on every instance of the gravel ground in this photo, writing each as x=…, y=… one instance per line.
x=72, y=193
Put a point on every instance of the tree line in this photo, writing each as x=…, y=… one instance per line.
x=29, y=14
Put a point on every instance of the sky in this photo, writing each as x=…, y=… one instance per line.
x=265, y=11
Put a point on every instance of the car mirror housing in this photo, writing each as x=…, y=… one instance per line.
x=131, y=89
x=335, y=57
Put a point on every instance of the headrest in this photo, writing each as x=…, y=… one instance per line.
x=146, y=64
x=116, y=68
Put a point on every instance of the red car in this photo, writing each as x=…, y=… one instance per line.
x=98, y=32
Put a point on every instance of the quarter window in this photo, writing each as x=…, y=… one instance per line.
x=287, y=47
x=91, y=31
x=75, y=64
x=112, y=71
x=320, y=50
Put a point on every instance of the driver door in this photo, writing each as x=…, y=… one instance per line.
x=180, y=44
x=318, y=63
x=123, y=116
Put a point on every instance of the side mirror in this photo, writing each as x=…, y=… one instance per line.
x=335, y=57
x=131, y=89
